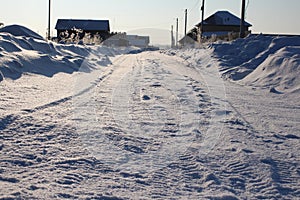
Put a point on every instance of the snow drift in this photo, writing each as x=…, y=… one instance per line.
x=262, y=61
x=258, y=60
x=281, y=69
x=18, y=30
x=24, y=51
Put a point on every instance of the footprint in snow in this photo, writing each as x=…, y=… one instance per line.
x=146, y=98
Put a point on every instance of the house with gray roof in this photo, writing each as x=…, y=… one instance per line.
x=79, y=27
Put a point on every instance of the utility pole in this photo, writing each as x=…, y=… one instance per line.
x=242, y=27
x=202, y=18
x=172, y=37
x=49, y=21
x=185, y=26
x=176, y=32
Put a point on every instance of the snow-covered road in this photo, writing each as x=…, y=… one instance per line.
x=149, y=126
x=155, y=98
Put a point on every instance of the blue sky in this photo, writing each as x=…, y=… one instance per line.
x=267, y=16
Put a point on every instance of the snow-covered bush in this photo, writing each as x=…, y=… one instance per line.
x=92, y=39
x=75, y=36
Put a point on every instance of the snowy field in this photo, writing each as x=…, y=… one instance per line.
x=219, y=122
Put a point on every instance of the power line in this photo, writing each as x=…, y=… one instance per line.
x=197, y=4
x=246, y=9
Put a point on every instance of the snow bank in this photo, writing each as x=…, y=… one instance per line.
x=263, y=61
x=21, y=55
x=258, y=60
x=18, y=30
x=23, y=51
x=281, y=70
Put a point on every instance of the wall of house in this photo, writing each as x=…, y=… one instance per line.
x=138, y=41
x=118, y=42
x=222, y=28
x=122, y=39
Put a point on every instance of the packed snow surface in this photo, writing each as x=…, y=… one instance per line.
x=92, y=122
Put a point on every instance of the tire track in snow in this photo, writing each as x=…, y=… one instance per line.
x=235, y=169
x=40, y=145
x=147, y=80
x=258, y=175
x=136, y=79
x=98, y=77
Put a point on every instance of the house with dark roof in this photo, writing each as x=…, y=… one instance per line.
x=222, y=21
x=219, y=24
x=80, y=28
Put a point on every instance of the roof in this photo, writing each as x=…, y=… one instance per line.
x=87, y=25
x=223, y=18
